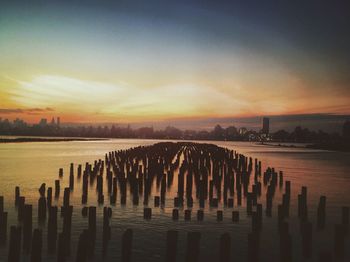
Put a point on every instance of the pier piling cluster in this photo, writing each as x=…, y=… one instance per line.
x=206, y=175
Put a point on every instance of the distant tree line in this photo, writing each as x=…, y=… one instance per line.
x=304, y=135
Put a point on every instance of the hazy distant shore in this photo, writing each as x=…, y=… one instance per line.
x=342, y=147
x=34, y=139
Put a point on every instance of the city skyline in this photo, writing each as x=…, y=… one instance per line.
x=127, y=63
x=319, y=122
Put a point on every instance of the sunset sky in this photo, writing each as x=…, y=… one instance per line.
x=95, y=61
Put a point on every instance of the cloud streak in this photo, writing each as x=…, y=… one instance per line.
x=25, y=110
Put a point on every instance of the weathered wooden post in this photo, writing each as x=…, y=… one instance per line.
x=37, y=243
x=52, y=229
x=200, y=215
x=57, y=188
x=175, y=214
x=346, y=219
x=106, y=234
x=235, y=216
x=17, y=195
x=253, y=247
x=42, y=209
x=61, y=251
x=92, y=229
x=49, y=197
x=127, y=245
x=60, y=172
x=27, y=227
x=321, y=213
x=225, y=248
x=339, y=239
x=3, y=227
x=71, y=177
x=79, y=171
x=188, y=214
x=192, y=250
x=83, y=247
x=67, y=229
x=171, y=245
x=14, y=254
x=21, y=203
x=285, y=243
x=156, y=201
x=219, y=215
x=306, y=233
x=147, y=213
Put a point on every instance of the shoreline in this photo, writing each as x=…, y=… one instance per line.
x=28, y=140
x=327, y=147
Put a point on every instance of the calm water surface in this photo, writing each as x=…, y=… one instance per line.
x=324, y=173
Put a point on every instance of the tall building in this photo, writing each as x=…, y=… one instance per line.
x=265, y=125
x=58, y=121
x=43, y=122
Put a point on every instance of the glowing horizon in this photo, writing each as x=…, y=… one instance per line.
x=129, y=64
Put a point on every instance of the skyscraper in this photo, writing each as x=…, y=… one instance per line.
x=58, y=121
x=266, y=126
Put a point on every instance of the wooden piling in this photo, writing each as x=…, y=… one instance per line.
x=253, y=247
x=219, y=215
x=306, y=234
x=17, y=195
x=21, y=203
x=60, y=173
x=171, y=245
x=225, y=248
x=57, y=188
x=127, y=245
x=37, y=243
x=27, y=227
x=339, y=242
x=71, y=177
x=92, y=229
x=14, y=254
x=52, y=229
x=42, y=209
x=321, y=213
x=188, y=214
x=156, y=201
x=49, y=197
x=3, y=227
x=82, y=250
x=175, y=214
x=147, y=213
x=235, y=216
x=346, y=219
x=192, y=250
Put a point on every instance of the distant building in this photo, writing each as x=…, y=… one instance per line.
x=265, y=126
x=346, y=130
x=43, y=122
x=58, y=121
x=53, y=121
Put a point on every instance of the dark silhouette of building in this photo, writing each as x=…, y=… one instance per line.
x=346, y=130
x=43, y=122
x=266, y=126
x=58, y=121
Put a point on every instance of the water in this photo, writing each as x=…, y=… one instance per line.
x=324, y=173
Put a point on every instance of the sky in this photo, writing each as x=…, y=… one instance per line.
x=144, y=61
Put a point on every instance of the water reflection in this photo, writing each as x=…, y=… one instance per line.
x=29, y=165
